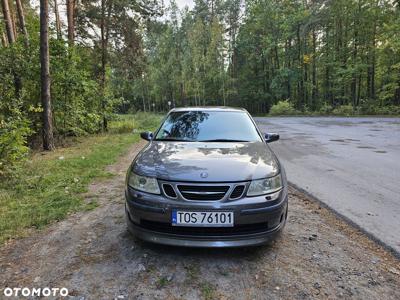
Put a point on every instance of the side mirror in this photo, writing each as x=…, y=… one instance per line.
x=271, y=137
x=147, y=135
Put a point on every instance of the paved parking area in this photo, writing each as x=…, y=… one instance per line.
x=351, y=164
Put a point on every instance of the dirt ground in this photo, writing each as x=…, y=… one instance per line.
x=93, y=255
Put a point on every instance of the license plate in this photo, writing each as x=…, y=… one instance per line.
x=202, y=218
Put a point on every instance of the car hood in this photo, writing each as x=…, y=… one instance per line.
x=206, y=162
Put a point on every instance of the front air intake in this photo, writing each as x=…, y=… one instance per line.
x=169, y=190
x=237, y=192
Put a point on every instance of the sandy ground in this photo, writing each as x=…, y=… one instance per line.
x=93, y=255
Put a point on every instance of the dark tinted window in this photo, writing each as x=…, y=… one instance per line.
x=208, y=126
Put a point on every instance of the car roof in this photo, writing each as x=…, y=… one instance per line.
x=208, y=108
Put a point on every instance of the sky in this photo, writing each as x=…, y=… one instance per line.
x=183, y=3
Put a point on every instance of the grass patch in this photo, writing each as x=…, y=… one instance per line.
x=192, y=272
x=130, y=123
x=49, y=185
x=208, y=291
x=162, y=282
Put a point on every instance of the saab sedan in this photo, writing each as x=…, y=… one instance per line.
x=207, y=178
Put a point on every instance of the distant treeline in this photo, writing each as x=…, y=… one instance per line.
x=316, y=54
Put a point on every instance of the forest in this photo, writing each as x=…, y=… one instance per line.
x=314, y=55
x=68, y=67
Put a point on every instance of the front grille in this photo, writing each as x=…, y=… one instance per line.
x=169, y=190
x=203, y=192
x=204, y=231
x=237, y=192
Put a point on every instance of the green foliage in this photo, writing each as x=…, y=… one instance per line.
x=325, y=109
x=379, y=110
x=186, y=62
x=343, y=110
x=367, y=109
x=208, y=291
x=74, y=98
x=283, y=108
x=75, y=95
x=47, y=187
x=13, y=149
x=337, y=53
x=388, y=110
x=134, y=123
x=15, y=112
x=319, y=55
x=147, y=121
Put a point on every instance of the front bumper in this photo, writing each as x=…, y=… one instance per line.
x=257, y=221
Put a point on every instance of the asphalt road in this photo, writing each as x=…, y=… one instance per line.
x=350, y=164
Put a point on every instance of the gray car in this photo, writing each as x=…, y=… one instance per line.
x=207, y=178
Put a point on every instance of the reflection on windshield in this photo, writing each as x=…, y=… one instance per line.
x=183, y=126
x=210, y=126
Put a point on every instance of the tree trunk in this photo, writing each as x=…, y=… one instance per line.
x=277, y=57
x=21, y=20
x=4, y=40
x=58, y=22
x=369, y=77
x=11, y=40
x=14, y=27
x=373, y=63
x=48, y=139
x=358, y=90
x=8, y=21
x=300, y=85
x=355, y=50
x=305, y=73
x=396, y=99
x=288, y=65
x=314, y=91
x=104, y=33
x=70, y=21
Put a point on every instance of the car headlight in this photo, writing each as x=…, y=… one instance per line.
x=143, y=183
x=265, y=186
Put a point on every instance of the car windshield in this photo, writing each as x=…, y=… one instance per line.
x=208, y=126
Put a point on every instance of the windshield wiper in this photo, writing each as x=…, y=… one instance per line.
x=225, y=140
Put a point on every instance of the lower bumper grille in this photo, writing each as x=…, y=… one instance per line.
x=204, y=231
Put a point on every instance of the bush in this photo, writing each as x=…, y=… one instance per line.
x=75, y=93
x=325, y=109
x=129, y=123
x=379, y=110
x=388, y=110
x=283, y=108
x=147, y=121
x=122, y=124
x=344, y=110
x=13, y=149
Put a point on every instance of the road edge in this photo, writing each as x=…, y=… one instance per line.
x=347, y=220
